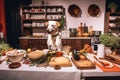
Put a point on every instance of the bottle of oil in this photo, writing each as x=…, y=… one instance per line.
x=75, y=55
x=85, y=28
x=79, y=30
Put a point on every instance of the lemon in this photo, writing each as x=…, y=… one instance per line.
x=29, y=50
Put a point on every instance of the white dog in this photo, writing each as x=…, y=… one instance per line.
x=54, y=36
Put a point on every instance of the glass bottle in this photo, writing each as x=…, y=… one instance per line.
x=75, y=55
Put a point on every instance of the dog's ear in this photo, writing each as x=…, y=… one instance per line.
x=46, y=23
x=57, y=24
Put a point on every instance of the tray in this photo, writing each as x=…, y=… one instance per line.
x=84, y=64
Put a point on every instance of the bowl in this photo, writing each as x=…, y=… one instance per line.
x=97, y=33
x=85, y=34
x=35, y=55
x=15, y=55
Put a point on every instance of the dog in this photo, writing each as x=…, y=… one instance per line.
x=54, y=35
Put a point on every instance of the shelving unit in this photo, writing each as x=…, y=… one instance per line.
x=33, y=18
x=112, y=23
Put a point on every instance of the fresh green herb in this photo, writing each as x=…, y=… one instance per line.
x=109, y=40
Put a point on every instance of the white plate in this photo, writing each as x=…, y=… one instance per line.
x=109, y=66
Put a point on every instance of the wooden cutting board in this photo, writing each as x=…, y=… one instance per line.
x=113, y=58
x=61, y=61
x=84, y=64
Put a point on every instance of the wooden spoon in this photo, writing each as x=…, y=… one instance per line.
x=104, y=64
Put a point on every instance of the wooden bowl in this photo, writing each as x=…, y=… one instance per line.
x=35, y=55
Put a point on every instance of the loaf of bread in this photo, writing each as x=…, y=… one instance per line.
x=61, y=61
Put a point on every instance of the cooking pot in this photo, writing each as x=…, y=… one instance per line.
x=97, y=33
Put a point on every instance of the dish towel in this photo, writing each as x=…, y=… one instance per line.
x=115, y=68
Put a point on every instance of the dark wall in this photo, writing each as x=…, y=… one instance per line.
x=109, y=1
x=13, y=21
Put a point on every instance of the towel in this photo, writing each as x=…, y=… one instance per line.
x=115, y=68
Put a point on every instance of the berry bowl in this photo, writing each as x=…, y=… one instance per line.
x=15, y=55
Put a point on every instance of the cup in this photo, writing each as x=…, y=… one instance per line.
x=100, y=51
x=67, y=49
x=45, y=51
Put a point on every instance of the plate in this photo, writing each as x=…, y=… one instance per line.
x=94, y=10
x=110, y=65
x=74, y=10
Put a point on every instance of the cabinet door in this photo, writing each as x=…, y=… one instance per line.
x=85, y=41
x=32, y=43
x=42, y=44
x=78, y=44
x=68, y=42
x=23, y=43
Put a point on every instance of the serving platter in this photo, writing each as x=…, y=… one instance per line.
x=108, y=64
x=83, y=64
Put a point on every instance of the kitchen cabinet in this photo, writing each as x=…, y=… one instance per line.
x=33, y=43
x=69, y=42
x=79, y=43
x=41, y=43
x=112, y=23
x=76, y=43
x=33, y=18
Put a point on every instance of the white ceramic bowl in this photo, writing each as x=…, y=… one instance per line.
x=45, y=51
x=15, y=55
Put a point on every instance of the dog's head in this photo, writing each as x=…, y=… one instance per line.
x=52, y=27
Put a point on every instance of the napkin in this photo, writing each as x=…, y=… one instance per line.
x=115, y=68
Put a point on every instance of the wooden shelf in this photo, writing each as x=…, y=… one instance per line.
x=34, y=12
x=34, y=19
x=114, y=28
x=112, y=21
x=38, y=15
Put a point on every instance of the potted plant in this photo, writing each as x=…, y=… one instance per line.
x=113, y=6
x=62, y=22
x=109, y=40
